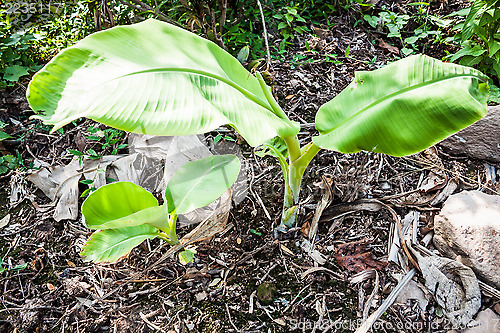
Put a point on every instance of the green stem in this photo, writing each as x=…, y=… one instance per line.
x=173, y=233
x=293, y=146
x=164, y=236
x=296, y=171
x=169, y=233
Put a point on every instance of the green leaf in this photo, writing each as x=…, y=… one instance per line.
x=243, y=54
x=75, y=152
x=19, y=267
x=13, y=73
x=198, y=183
x=468, y=50
x=275, y=147
x=123, y=204
x=372, y=20
x=493, y=46
x=494, y=94
x=282, y=25
x=9, y=56
x=155, y=78
x=402, y=108
x=113, y=244
x=477, y=9
x=4, y=136
x=187, y=256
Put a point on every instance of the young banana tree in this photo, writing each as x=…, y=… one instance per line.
x=155, y=78
x=126, y=214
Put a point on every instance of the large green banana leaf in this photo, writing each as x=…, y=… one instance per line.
x=198, y=183
x=155, y=78
x=112, y=244
x=402, y=108
x=123, y=204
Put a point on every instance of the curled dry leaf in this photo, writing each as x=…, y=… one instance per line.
x=142, y=167
x=368, y=205
x=454, y=286
x=326, y=200
x=313, y=252
x=355, y=258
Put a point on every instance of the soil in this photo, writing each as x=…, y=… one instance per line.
x=58, y=291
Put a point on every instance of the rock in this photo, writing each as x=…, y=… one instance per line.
x=201, y=296
x=487, y=321
x=266, y=293
x=481, y=140
x=468, y=230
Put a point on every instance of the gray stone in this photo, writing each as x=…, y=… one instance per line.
x=487, y=321
x=468, y=230
x=481, y=140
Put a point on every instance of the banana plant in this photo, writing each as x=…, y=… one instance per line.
x=155, y=78
x=126, y=214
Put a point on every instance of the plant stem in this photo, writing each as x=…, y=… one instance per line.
x=173, y=234
x=296, y=170
x=293, y=146
x=164, y=236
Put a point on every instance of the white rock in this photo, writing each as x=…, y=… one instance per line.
x=468, y=230
x=201, y=296
x=487, y=322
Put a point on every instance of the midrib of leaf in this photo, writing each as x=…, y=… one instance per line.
x=126, y=240
x=126, y=219
x=197, y=182
x=243, y=91
x=399, y=92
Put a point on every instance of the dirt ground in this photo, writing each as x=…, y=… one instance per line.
x=59, y=292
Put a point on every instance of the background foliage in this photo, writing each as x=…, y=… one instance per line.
x=32, y=32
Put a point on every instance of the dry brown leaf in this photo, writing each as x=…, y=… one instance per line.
x=355, y=258
x=389, y=48
x=305, y=229
x=326, y=200
x=362, y=204
x=286, y=250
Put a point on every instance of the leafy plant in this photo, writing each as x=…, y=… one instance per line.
x=3, y=135
x=429, y=26
x=122, y=78
x=112, y=138
x=287, y=26
x=32, y=32
x=8, y=163
x=126, y=214
x=15, y=59
x=479, y=38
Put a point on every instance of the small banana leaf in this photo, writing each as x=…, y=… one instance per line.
x=123, y=204
x=113, y=244
x=198, y=183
